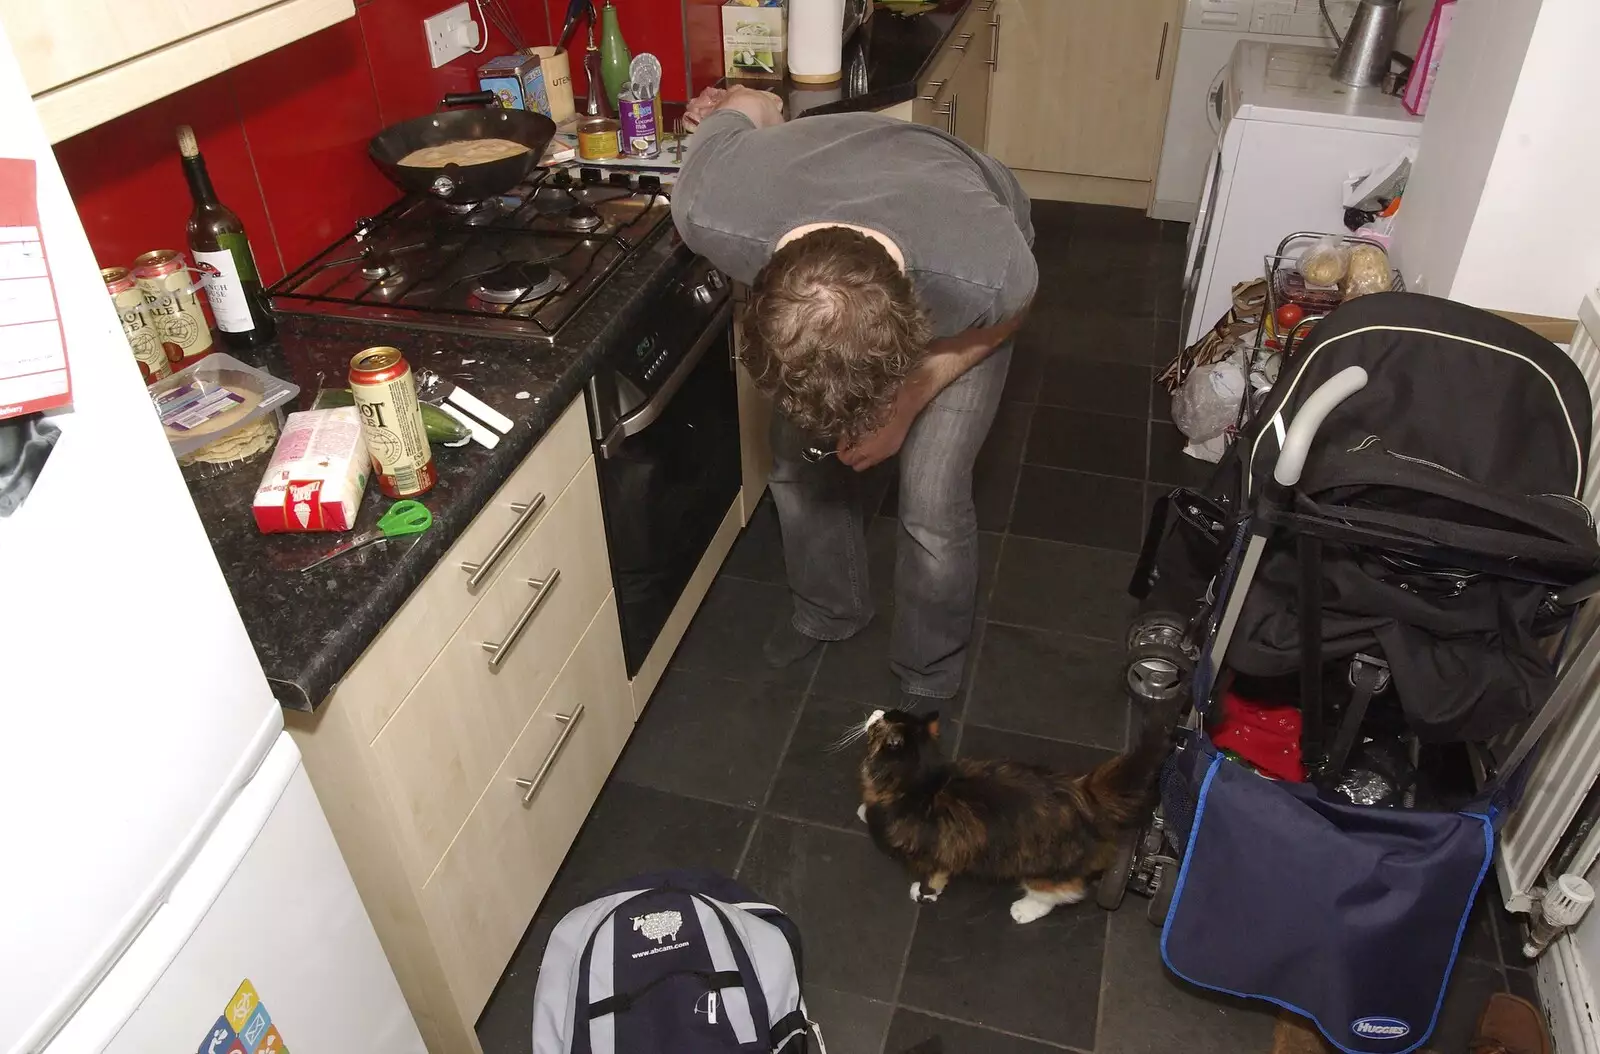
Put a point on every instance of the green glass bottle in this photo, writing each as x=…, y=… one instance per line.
x=614, y=55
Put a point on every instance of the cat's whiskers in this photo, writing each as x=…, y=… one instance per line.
x=852, y=735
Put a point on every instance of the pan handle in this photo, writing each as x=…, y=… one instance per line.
x=470, y=98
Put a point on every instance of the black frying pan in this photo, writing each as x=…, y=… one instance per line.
x=463, y=183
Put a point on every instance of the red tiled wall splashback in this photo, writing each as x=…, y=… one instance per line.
x=285, y=135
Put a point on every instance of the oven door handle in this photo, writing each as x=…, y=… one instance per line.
x=646, y=415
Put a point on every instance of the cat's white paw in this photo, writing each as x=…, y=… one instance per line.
x=918, y=896
x=1030, y=909
x=861, y=812
x=916, y=892
x=1073, y=897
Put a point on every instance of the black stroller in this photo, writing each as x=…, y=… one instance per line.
x=1390, y=554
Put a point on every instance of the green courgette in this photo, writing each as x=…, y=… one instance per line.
x=440, y=426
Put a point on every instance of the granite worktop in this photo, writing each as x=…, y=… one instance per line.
x=883, y=61
x=309, y=628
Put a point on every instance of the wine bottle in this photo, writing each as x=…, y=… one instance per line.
x=222, y=253
x=614, y=56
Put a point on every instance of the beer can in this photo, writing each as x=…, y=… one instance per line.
x=391, y=422
x=640, y=136
x=598, y=139
x=142, y=337
x=171, y=303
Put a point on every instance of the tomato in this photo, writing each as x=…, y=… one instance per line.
x=1288, y=316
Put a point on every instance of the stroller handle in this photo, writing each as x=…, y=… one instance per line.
x=1315, y=410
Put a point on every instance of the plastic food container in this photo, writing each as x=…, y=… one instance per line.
x=220, y=413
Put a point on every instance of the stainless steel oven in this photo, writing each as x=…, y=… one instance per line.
x=665, y=415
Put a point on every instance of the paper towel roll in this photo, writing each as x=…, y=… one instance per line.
x=816, y=40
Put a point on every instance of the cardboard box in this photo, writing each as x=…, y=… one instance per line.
x=518, y=81
x=755, y=42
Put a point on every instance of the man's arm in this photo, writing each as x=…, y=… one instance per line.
x=947, y=359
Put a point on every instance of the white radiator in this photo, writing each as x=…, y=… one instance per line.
x=1570, y=761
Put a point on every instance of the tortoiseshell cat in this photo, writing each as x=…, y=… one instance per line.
x=999, y=819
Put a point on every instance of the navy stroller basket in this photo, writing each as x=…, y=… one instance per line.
x=1408, y=500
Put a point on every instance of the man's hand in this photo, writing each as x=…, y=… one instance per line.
x=883, y=444
x=762, y=107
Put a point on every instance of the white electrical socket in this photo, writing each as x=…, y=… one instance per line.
x=451, y=34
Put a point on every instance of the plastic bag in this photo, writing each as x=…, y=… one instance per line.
x=1208, y=402
x=1324, y=263
x=1367, y=272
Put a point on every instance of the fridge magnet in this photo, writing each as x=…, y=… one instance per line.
x=33, y=348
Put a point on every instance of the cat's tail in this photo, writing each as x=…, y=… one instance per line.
x=1122, y=789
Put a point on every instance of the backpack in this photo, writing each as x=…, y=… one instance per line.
x=673, y=962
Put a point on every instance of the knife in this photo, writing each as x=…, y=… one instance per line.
x=576, y=9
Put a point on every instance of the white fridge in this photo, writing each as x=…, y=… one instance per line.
x=168, y=881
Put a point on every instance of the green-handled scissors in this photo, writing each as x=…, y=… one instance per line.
x=403, y=517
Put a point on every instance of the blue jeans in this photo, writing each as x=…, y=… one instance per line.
x=936, y=559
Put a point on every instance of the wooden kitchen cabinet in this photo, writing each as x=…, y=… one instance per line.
x=87, y=61
x=1079, y=95
x=455, y=788
x=954, y=93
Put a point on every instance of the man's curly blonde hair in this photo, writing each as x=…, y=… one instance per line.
x=832, y=329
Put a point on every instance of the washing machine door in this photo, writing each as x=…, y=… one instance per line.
x=1199, y=242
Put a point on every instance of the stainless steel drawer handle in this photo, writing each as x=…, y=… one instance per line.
x=934, y=88
x=525, y=515
x=966, y=38
x=994, y=45
x=568, y=722
x=542, y=590
x=988, y=5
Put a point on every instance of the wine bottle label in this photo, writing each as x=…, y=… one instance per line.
x=225, y=289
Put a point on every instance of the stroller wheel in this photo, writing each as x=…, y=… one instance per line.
x=1166, y=878
x=1158, y=627
x=1114, y=879
x=1158, y=673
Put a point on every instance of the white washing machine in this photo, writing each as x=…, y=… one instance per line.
x=1211, y=28
x=1291, y=137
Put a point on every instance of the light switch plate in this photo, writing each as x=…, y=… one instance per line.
x=450, y=34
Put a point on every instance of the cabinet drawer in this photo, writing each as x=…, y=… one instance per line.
x=453, y=730
x=484, y=893
x=409, y=643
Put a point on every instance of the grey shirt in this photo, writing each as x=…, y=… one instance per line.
x=958, y=215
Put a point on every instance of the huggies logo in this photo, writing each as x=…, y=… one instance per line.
x=1380, y=1028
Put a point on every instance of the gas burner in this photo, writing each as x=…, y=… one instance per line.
x=477, y=213
x=517, y=283
x=382, y=268
x=581, y=218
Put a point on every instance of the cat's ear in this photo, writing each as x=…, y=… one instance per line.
x=931, y=723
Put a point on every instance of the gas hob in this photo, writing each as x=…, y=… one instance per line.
x=518, y=265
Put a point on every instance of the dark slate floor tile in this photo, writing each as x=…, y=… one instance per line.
x=726, y=635
x=1052, y=220
x=850, y=1024
x=849, y=900
x=1090, y=251
x=710, y=737
x=994, y=475
x=1480, y=941
x=1149, y=1011
x=1056, y=330
x=1070, y=588
x=1100, y=387
x=1027, y=364
x=1523, y=984
x=997, y=744
x=818, y=779
x=1079, y=508
x=1169, y=464
x=758, y=554
x=914, y=1033
x=631, y=830
x=1470, y=987
x=1126, y=291
x=1160, y=398
x=858, y=668
x=1050, y=684
x=1087, y=442
x=1165, y=344
x=972, y=962
x=1114, y=222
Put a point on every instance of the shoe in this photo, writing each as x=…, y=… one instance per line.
x=786, y=646
x=1510, y=1025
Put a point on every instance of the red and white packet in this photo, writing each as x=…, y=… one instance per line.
x=317, y=474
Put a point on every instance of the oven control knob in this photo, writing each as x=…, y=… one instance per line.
x=702, y=295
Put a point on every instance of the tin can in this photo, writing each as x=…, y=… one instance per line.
x=142, y=336
x=598, y=139
x=171, y=304
x=640, y=137
x=391, y=422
